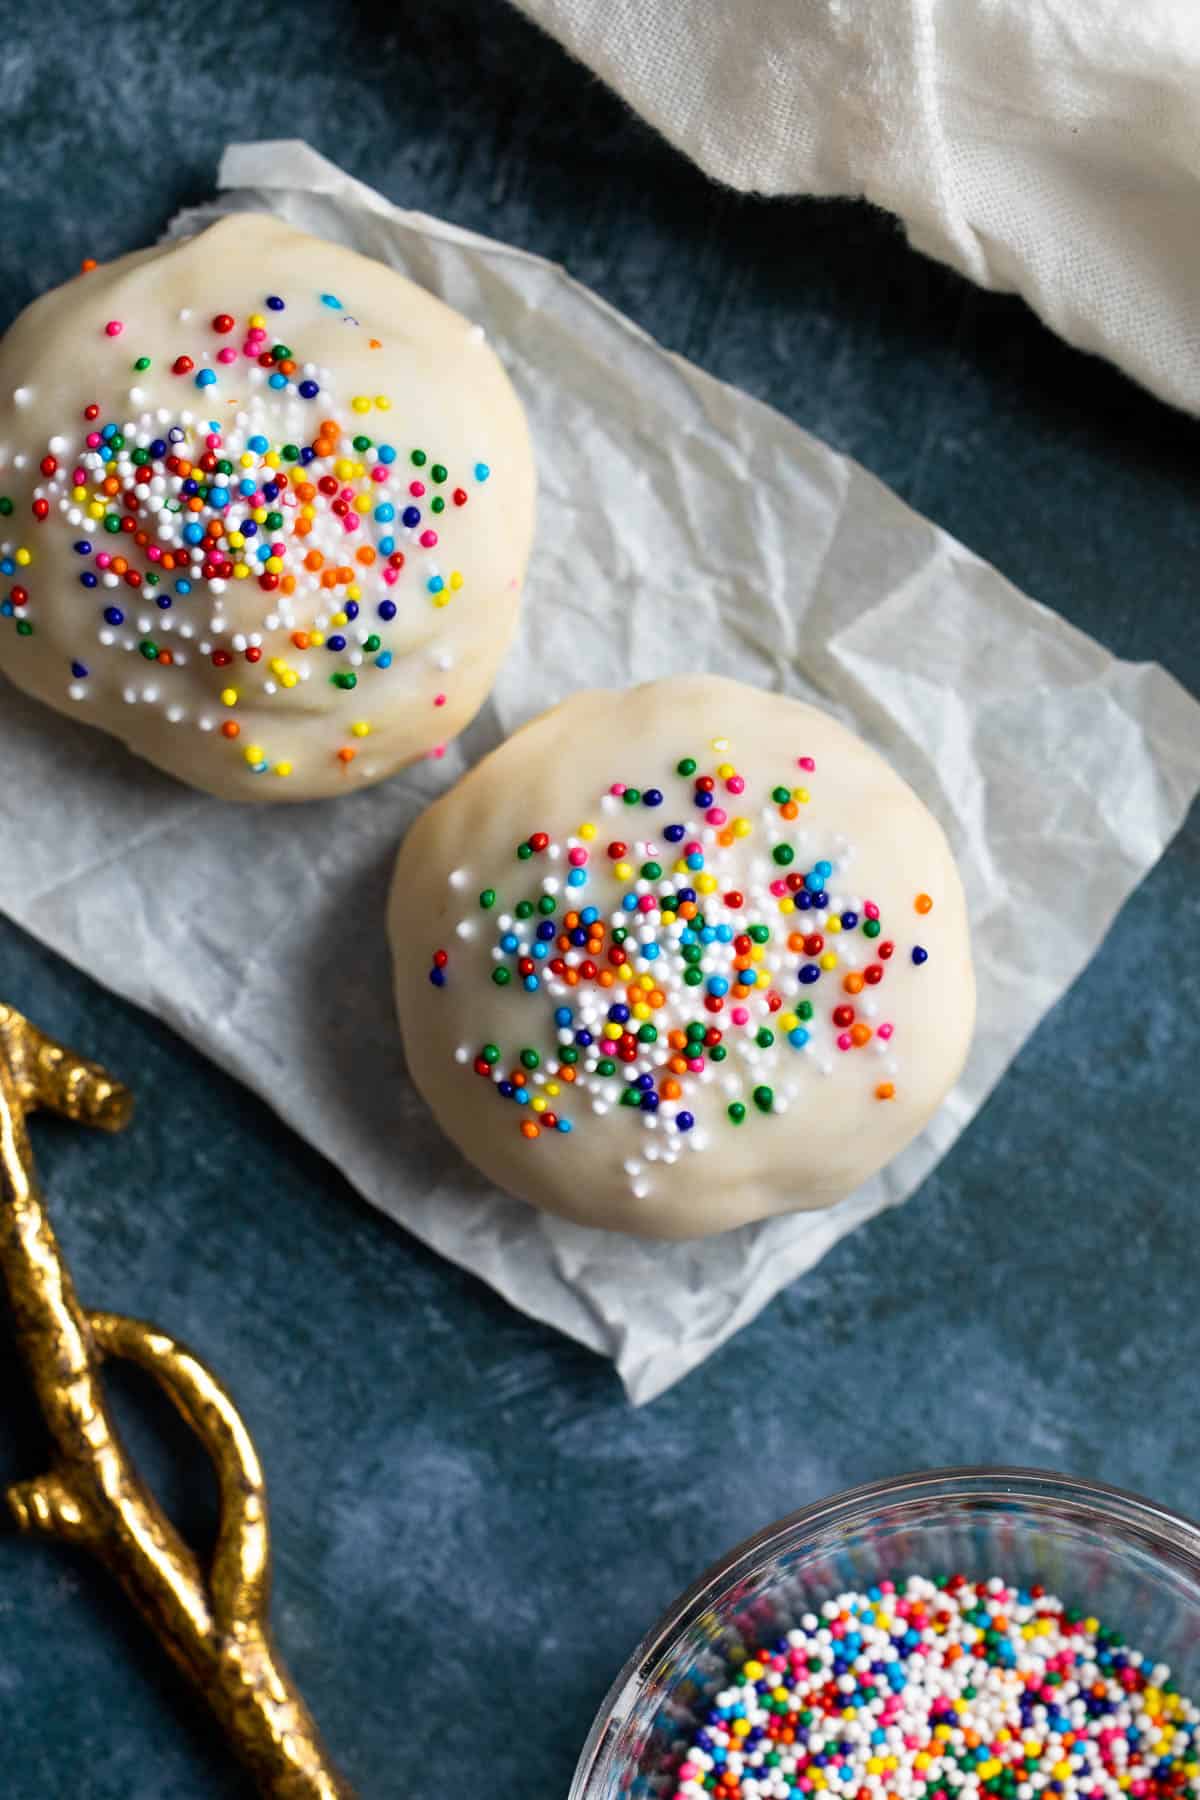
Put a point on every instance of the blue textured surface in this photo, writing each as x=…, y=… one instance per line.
x=444, y=1472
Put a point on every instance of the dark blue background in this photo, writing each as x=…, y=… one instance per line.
x=472, y=1527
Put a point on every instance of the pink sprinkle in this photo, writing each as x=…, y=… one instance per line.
x=439, y=699
x=740, y=1016
x=391, y=576
x=607, y=1047
x=716, y=815
x=153, y=552
x=646, y=903
x=885, y=1032
x=79, y=476
x=350, y=522
x=114, y=328
x=428, y=540
x=213, y=441
x=103, y=559
x=779, y=889
x=249, y=348
x=416, y=488
x=687, y=1770
x=346, y=494
x=577, y=857
x=257, y=333
x=693, y=849
x=805, y=762
x=844, y=1040
x=94, y=441
x=379, y=473
x=438, y=751
x=871, y=910
x=617, y=788
x=736, y=784
x=278, y=549
x=696, y=1065
x=227, y=355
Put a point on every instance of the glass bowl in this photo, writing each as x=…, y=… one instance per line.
x=1134, y=1564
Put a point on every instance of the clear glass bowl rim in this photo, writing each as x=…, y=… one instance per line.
x=933, y=1486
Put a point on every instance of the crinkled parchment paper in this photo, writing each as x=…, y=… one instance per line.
x=682, y=525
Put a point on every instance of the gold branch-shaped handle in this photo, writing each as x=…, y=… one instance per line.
x=214, y=1624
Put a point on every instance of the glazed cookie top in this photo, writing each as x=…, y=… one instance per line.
x=680, y=957
x=265, y=510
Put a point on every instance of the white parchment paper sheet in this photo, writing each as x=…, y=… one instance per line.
x=683, y=525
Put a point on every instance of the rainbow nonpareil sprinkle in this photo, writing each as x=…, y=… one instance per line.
x=947, y=1690
x=690, y=940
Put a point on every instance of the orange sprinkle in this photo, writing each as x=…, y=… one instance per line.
x=165, y=658
x=860, y=1034
x=788, y=810
x=726, y=838
x=606, y=978
x=517, y=1078
x=288, y=584
x=796, y=942
x=112, y=485
x=300, y=639
x=671, y=1090
x=185, y=467
x=566, y=1073
x=168, y=559
x=885, y=1091
x=87, y=265
x=677, y=1039
x=678, y=1065
x=231, y=729
x=529, y=1129
x=688, y=909
x=305, y=490
x=119, y=565
x=372, y=344
x=302, y=527
x=330, y=428
x=923, y=903
x=345, y=575
x=346, y=755
x=365, y=555
x=287, y=366
x=329, y=578
x=657, y=998
x=195, y=504
x=853, y=984
x=141, y=539
x=571, y=977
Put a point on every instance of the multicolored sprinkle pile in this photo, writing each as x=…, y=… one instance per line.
x=660, y=957
x=169, y=511
x=944, y=1689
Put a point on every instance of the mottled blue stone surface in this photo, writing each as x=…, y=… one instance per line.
x=446, y=1474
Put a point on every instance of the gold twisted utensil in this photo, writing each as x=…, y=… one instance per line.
x=213, y=1625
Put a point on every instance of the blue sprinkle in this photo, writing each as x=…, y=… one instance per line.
x=384, y=661
x=589, y=915
x=717, y=984
x=725, y=933
x=629, y=902
x=218, y=496
x=684, y=1121
x=246, y=487
x=332, y=301
x=386, y=610
x=849, y=921
x=673, y=833
x=80, y=671
x=385, y=453
x=814, y=881
x=87, y=579
x=386, y=545
x=385, y=513
x=263, y=553
x=919, y=956
x=258, y=444
x=182, y=587
x=83, y=548
x=8, y=566
x=798, y=1037
x=576, y=878
x=532, y=984
x=206, y=378
x=820, y=900
x=309, y=390
x=277, y=380
x=411, y=516
x=275, y=303
x=650, y=952
x=482, y=471
x=249, y=528
x=438, y=977
x=695, y=860
x=562, y=1015
x=563, y=1125
x=158, y=448
x=435, y=584
x=163, y=602
x=351, y=609
x=652, y=797
x=108, y=431
x=113, y=615
x=7, y=609
x=810, y=973
x=336, y=642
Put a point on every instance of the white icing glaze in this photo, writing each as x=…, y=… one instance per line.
x=825, y=1129
x=298, y=673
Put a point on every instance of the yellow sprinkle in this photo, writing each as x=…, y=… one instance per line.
x=757, y=953
x=316, y=639
x=235, y=540
x=383, y=403
x=993, y=1766
x=787, y=904
x=788, y=1021
x=253, y=753
x=241, y=570
x=1060, y=1771
x=289, y=679
x=587, y=832
x=646, y=983
x=259, y=515
x=229, y=696
x=274, y=565
x=24, y=558
x=642, y=1012
x=538, y=1104
x=95, y=510
x=272, y=459
x=308, y=511
x=339, y=618
x=456, y=579
x=343, y=468
x=623, y=871
x=354, y=592
x=361, y=729
x=754, y=1670
x=921, y=1761
x=440, y=600
x=283, y=769
x=802, y=795
x=829, y=960
x=668, y=917
x=875, y=1765
x=247, y=459
x=625, y=972
x=79, y=493
x=706, y=884
x=256, y=320
x=742, y=828
x=833, y=924
x=363, y=503
x=360, y=403
x=741, y=1727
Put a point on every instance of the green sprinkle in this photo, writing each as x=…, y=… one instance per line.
x=362, y=443
x=142, y=363
x=693, y=977
x=225, y=467
x=419, y=459
x=651, y=870
x=487, y=899
x=631, y=1096
x=141, y=457
x=764, y=1098
x=696, y=1031
x=372, y=643
x=783, y=854
x=149, y=650
x=718, y=1053
x=438, y=472
x=6, y=505
x=760, y=933
x=764, y=1038
x=606, y=1066
x=281, y=353
x=781, y=795
x=117, y=441
x=291, y=453
x=112, y=522
x=619, y=935
x=524, y=909
x=804, y=1010
x=437, y=504
x=530, y=1059
x=524, y=852
x=490, y=1053
x=501, y=976
x=344, y=681
x=648, y=1034
x=736, y=1111
x=546, y=904
x=24, y=628
x=686, y=767
x=632, y=796
x=569, y=1054
x=274, y=521
x=872, y=928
